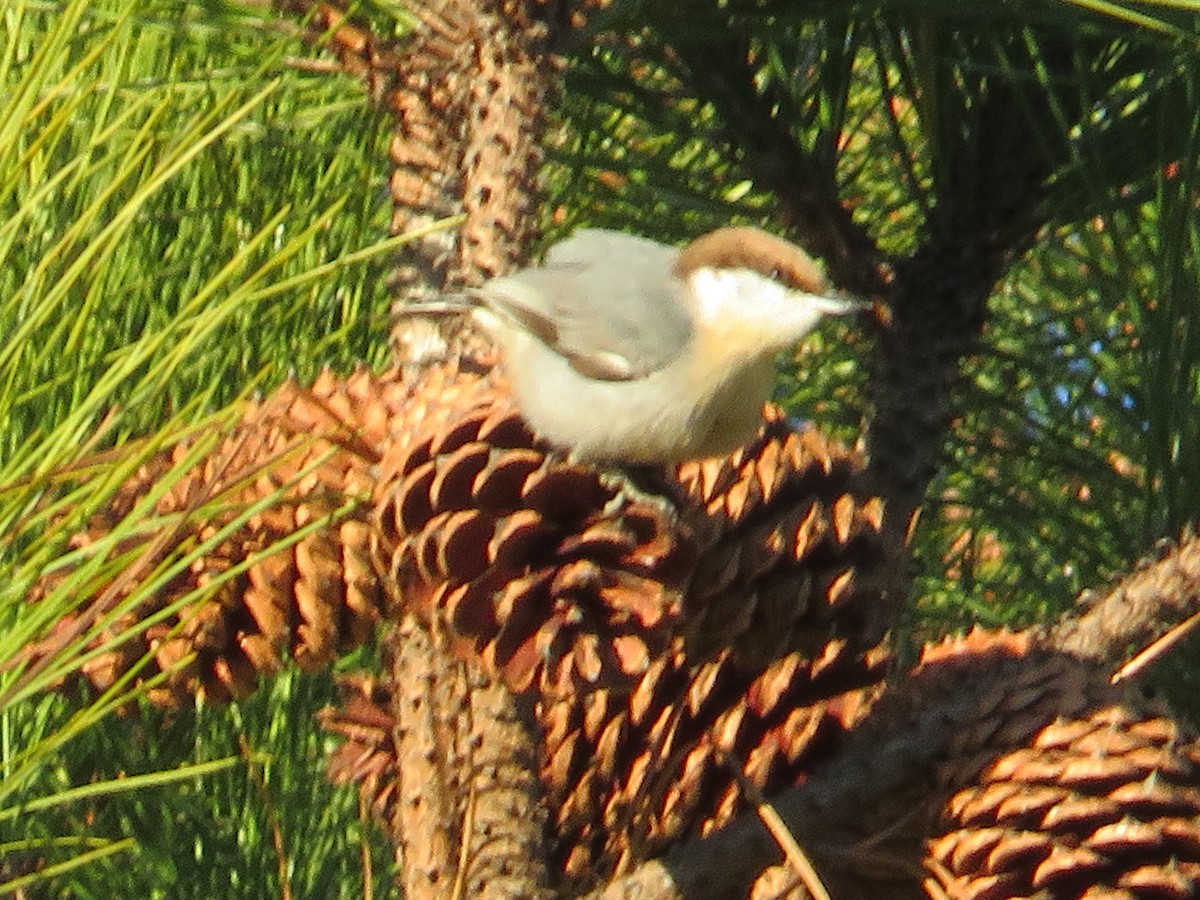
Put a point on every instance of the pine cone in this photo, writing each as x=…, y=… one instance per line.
x=549, y=574
x=660, y=643
x=534, y=565
x=628, y=776
x=368, y=757
x=796, y=558
x=1023, y=771
x=314, y=449
x=1104, y=805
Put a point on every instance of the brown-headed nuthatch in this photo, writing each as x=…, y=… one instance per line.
x=625, y=350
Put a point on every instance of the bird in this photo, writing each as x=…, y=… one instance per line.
x=621, y=349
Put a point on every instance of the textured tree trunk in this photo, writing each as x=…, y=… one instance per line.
x=936, y=315
x=471, y=95
x=469, y=820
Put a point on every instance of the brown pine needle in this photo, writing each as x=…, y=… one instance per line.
x=778, y=829
x=1156, y=649
x=464, y=847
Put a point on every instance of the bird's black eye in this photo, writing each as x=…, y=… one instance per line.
x=775, y=273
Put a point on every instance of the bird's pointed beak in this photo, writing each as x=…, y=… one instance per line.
x=837, y=304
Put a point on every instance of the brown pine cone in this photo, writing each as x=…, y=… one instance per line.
x=536, y=566
x=551, y=573
x=668, y=646
x=628, y=776
x=287, y=573
x=796, y=558
x=368, y=757
x=1102, y=805
x=1013, y=770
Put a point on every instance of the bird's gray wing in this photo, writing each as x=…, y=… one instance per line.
x=603, y=300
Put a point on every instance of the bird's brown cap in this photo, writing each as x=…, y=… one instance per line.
x=742, y=247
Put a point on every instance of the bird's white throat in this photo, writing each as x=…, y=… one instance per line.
x=746, y=299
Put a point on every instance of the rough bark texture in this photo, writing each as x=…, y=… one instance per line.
x=469, y=90
x=936, y=305
x=470, y=94
x=1139, y=609
x=469, y=821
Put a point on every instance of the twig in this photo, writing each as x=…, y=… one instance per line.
x=774, y=823
x=1156, y=649
x=368, y=868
